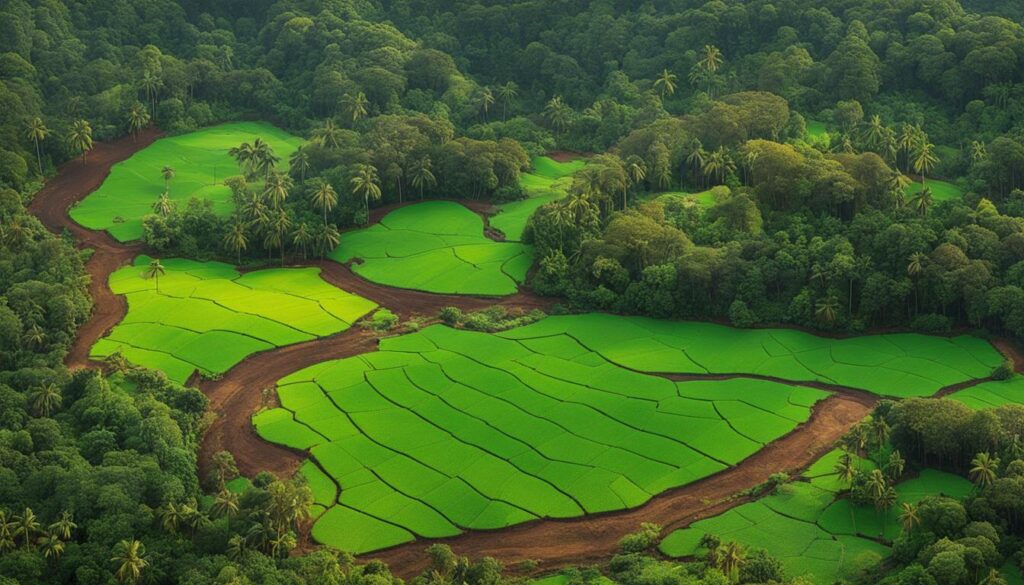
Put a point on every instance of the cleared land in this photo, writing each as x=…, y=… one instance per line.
x=200, y=161
x=941, y=190
x=438, y=247
x=208, y=317
x=898, y=365
x=446, y=430
x=549, y=181
x=812, y=530
x=992, y=394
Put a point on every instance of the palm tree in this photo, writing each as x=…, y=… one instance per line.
x=237, y=239
x=64, y=526
x=486, y=100
x=695, y=159
x=907, y=142
x=507, y=94
x=45, y=399
x=422, y=175
x=155, y=270
x=170, y=517
x=26, y=525
x=876, y=485
x=558, y=113
x=163, y=205
x=666, y=83
x=37, y=132
x=731, y=558
x=923, y=201
x=51, y=546
x=327, y=238
x=299, y=161
x=325, y=197
x=366, y=182
x=895, y=466
x=909, y=518
x=897, y=185
x=355, y=105
x=846, y=468
x=138, y=118
x=874, y=134
x=281, y=226
x=79, y=138
x=886, y=500
x=924, y=158
x=328, y=135
x=636, y=170
x=302, y=238
x=151, y=84
x=978, y=151
x=879, y=431
x=264, y=159
x=984, y=470
x=168, y=174
x=277, y=189
x=711, y=59
x=130, y=557
x=7, y=533
x=827, y=309
x=236, y=548
x=225, y=503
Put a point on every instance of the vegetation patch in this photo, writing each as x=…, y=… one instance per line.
x=447, y=430
x=200, y=163
x=438, y=247
x=992, y=394
x=205, y=316
x=941, y=190
x=812, y=530
x=549, y=181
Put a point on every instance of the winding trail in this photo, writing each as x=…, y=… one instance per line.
x=236, y=395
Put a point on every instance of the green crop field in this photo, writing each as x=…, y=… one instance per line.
x=899, y=365
x=941, y=190
x=549, y=181
x=446, y=430
x=811, y=530
x=992, y=394
x=438, y=247
x=201, y=163
x=208, y=317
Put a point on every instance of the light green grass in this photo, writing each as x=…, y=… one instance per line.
x=208, y=317
x=548, y=181
x=809, y=528
x=447, y=430
x=702, y=198
x=941, y=190
x=816, y=130
x=128, y=194
x=438, y=247
x=992, y=394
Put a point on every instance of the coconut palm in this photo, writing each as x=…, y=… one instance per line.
x=299, y=161
x=731, y=558
x=225, y=503
x=880, y=431
x=151, y=85
x=138, y=118
x=130, y=558
x=263, y=158
x=79, y=138
x=719, y=165
x=64, y=526
x=7, y=529
x=827, y=309
x=302, y=237
x=155, y=270
x=422, y=176
x=237, y=239
x=355, y=106
x=909, y=518
x=26, y=525
x=922, y=201
x=507, y=94
x=37, y=132
x=325, y=198
x=984, y=470
x=328, y=135
x=280, y=226
x=979, y=152
x=885, y=501
x=711, y=59
x=558, y=113
x=277, y=188
x=170, y=517
x=168, y=174
x=163, y=205
x=846, y=468
x=326, y=238
x=924, y=158
x=486, y=100
x=897, y=184
x=874, y=133
x=895, y=466
x=51, y=546
x=876, y=485
x=696, y=156
x=366, y=182
x=665, y=83
x=236, y=548
x=45, y=399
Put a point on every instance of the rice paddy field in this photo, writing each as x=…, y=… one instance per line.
x=438, y=247
x=810, y=529
x=992, y=394
x=549, y=181
x=941, y=190
x=207, y=317
x=201, y=163
x=444, y=430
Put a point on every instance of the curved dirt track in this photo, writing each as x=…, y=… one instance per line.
x=236, y=395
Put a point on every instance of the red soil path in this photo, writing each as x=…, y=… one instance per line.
x=239, y=393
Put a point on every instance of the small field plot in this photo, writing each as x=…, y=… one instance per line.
x=549, y=181
x=446, y=430
x=811, y=530
x=941, y=190
x=992, y=394
x=438, y=247
x=208, y=317
x=898, y=365
x=201, y=163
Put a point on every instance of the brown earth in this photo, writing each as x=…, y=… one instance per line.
x=240, y=392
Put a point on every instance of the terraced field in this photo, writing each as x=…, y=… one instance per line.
x=549, y=181
x=992, y=394
x=208, y=317
x=439, y=247
x=811, y=530
x=444, y=430
x=200, y=161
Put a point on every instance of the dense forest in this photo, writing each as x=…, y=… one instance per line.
x=416, y=99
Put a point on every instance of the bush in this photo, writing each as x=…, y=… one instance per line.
x=450, y=315
x=382, y=320
x=641, y=540
x=931, y=323
x=740, y=314
x=490, y=319
x=1003, y=371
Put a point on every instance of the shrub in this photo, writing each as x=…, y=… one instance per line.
x=931, y=323
x=1003, y=371
x=641, y=540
